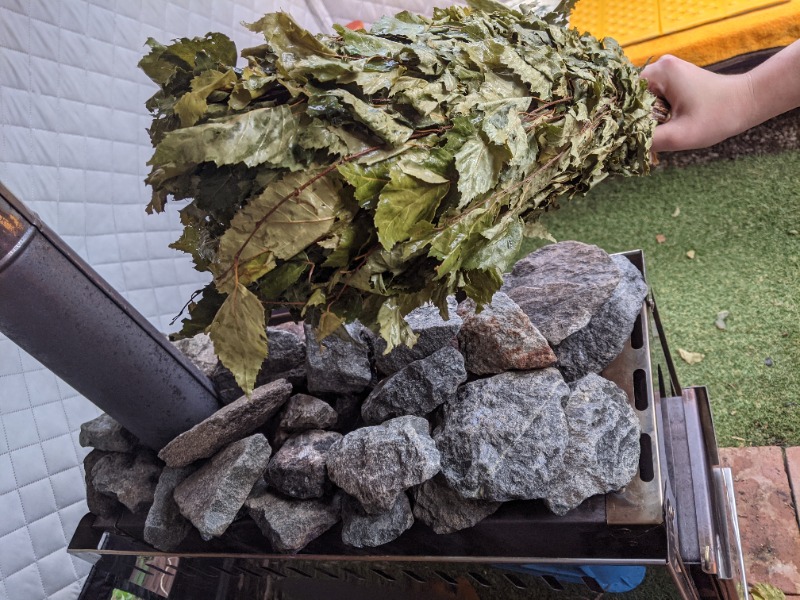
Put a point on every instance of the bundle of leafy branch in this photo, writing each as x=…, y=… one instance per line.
x=361, y=175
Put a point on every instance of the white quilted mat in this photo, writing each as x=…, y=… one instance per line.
x=73, y=147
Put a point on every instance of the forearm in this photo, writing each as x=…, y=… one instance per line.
x=775, y=85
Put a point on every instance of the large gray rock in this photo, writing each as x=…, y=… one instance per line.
x=165, y=527
x=98, y=503
x=375, y=464
x=290, y=525
x=433, y=333
x=603, y=450
x=418, y=388
x=561, y=286
x=211, y=497
x=104, y=433
x=501, y=338
x=303, y=412
x=504, y=437
x=340, y=363
x=233, y=422
x=200, y=351
x=591, y=349
x=298, y=468
x=286, y=360
x=444, y=510
x=131, y=479
x=364, y=530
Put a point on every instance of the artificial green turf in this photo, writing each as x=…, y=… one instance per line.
x=742, y=219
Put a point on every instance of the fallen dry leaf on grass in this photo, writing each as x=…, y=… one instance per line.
x=690, y=254
x=661, y=238
x=691, y=358
x=677, y=211
x=764, y=591
x=720, y=322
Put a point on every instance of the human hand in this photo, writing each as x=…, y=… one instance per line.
x=706, y=107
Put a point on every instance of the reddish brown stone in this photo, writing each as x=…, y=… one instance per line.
x=770, y=535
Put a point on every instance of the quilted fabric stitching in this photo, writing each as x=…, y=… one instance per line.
x=25, y=519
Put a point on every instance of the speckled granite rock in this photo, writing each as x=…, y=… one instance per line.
x=212, y=496
x=340, y=363
x=165, y=527
x=504, y=437
x=445, y=510
x=375, y=464
x=603, y=450
x=131, y=479
x=418, y=388
x=298, y=468
x=364, y=530
x=303, y=412
x=104, y=433
x=561, y=286
x=433, y=333
x=291, y=524
x=233, y=422
x=501, y=338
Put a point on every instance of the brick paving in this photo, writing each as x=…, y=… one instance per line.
x=767, y=513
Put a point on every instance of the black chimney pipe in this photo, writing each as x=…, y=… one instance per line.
x=59, y=310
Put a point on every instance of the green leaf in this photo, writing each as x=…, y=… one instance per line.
x=288, y=40
x=363, y=44
x=279, y=223
x=379, y=122
x=192, y=105
x=201, y=313
x=260, y=136
x=404, y=202
x=368, y=180
x=478, y=166
x=404, y=24
x=393, y=327
x=281, y=278
x=239, y=335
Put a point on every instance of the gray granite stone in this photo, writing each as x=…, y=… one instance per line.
x=298, y=468
x=603, y=450
x=501, y=338
x=212, y=496
x=592, y=348
x=98, y=503
x=165, y=527
x=444, y=510
x=104, y=433
x=286, y=360
x=290, y=524
x=303, y=412
x=131, y=479
x=364, y=530
x=375, y=464
x=200, y=351
x=504, y=437
x=561, y=286
x=433, y=333
x=418, y=388
x=233, y=422
x=339, y=364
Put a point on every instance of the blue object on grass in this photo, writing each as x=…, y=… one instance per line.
x=613, y=579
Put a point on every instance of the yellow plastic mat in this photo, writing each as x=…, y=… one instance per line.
x=700, y=31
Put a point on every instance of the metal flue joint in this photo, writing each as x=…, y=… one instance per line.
x=59, y=310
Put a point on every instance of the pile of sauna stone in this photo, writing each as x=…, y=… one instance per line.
x=502, y=404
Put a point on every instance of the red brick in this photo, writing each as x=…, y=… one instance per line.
x=770, y=535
